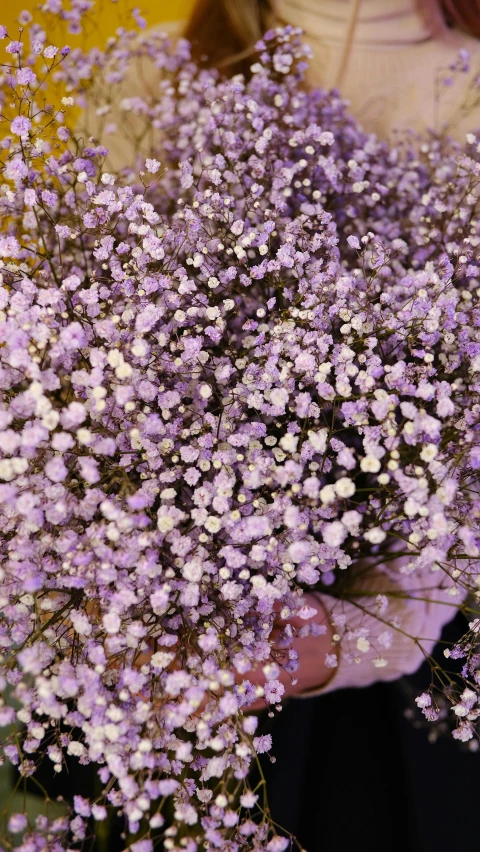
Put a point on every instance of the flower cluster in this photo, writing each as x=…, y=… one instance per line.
x=238, y=368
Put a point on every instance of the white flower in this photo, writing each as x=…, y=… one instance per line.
x=429, y=452
x=205, y=391
x=231, y=590
x=114, y=357
x=363, y=644
x=212, y=312
x=36, y=389
x=19, y=465
x=475, y=365
x=108, y=179
x=112, y=732
x=375, y=535
x=328, y=494
x=6, y=470
x=381, y=604
x=213, y=524
x=84, y=436
x=166, y=445
x=237, y=227
x=136, y=439
x=318, y=440
x=369, y=464
x=111, y=622
x=334, y=534
x=411, y=507
x=192, y=570
x=289, y=443
x=165, y=523
x=139, y=348
x=299, y=550
x=76, y=748
x=380, y=662
x=80, y=622
x=344, y=487
x=248, y=799
x=123, y=371
x=279, y=397
x=352, y=520
x=161, y=659
x=38, y=731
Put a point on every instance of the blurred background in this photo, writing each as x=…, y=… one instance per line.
x=154, y=10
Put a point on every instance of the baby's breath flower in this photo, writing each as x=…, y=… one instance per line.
x=219, y=388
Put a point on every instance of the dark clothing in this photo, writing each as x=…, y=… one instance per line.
x=352, y=773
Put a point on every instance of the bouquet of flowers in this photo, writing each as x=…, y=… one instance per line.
x=244, y=366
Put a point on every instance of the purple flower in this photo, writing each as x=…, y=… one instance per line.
x=56, y=469
x=17, y=823
x=262, y=744
x=14, y=46
x=81, y=806
x=20, y=125
x=152, y=165
x=274, y=691
x=25, y=76
x=142, y=846
x=353, y=242
x=73, y=336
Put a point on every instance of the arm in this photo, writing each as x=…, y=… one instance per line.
x=379, y=636
x=419, y=611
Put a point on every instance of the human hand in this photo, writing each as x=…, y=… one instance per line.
x=311, y=649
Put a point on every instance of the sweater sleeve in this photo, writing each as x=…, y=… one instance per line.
x=390, y=630
x=110, y=121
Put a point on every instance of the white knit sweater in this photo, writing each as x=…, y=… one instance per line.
x=391, y=72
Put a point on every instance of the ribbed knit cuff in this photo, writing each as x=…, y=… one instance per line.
x=382, y=646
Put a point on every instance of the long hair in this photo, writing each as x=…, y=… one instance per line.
x=464, y=14
x=223, y=32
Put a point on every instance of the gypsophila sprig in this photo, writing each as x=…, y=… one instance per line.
x=241, y=366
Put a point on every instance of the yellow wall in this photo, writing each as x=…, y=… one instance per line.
x=106, y=15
